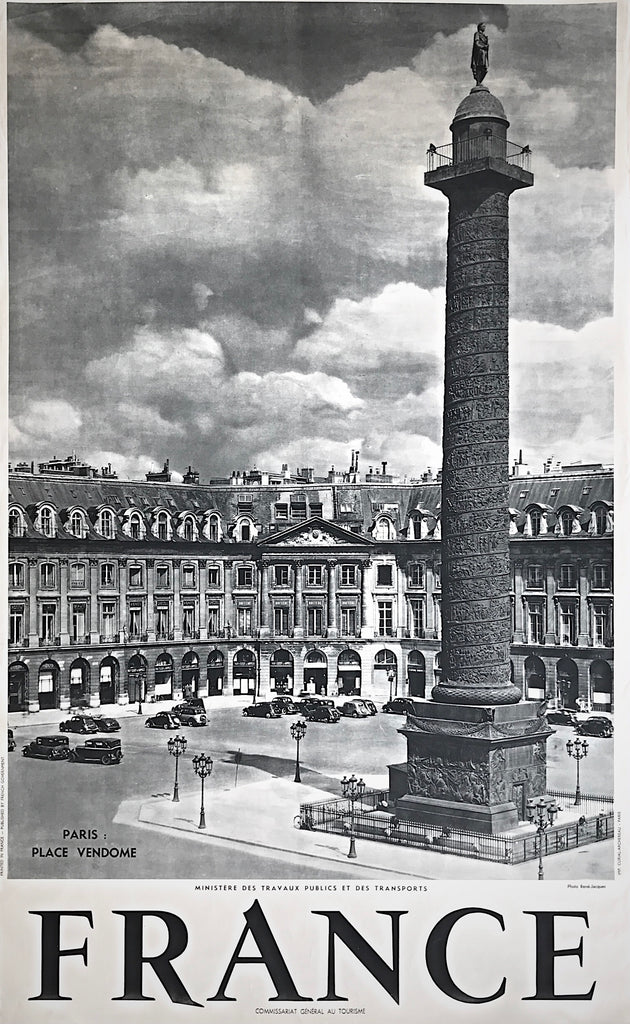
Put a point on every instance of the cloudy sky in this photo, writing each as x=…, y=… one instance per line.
x=222, y=251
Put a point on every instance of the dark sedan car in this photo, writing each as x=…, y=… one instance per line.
x=399, y=706
x=52, y=748
x=163, y=720
x=105, y=724
x=286, y=706
x=354, y=709
x=264, y=709
x=562, y=717
x=190, y=714
x=104, y=750
x=322, y=713
x=79, y=723
x=596, y=725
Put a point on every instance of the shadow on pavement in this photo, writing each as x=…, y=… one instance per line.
x=284, y=768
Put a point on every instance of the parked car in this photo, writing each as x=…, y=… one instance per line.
x=192, y=702
x=104, y=750
x=79, y=723
x=354, y=709
x=190, y=714
x=264, y=709
x=286, y=706
x=53, y=748
x=314, y=698
x=595, y=725
x=105, y=724
x=562, y=717
x=11, y=740
x=370, y=705
x=163, y=720
x=399, y=706
x=322, y=713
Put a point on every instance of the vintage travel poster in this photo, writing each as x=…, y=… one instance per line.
x=316, y=332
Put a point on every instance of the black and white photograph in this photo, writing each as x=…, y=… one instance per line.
x=312, y=345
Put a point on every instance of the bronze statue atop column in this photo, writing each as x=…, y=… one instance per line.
x=480, y=59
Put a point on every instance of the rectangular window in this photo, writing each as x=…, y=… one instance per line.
x=162, y=621
x=77, y=574
x=536, y=622
x=49, y=622
x=16, y=575
x=188, y=620
x=316, y=508
x=416, y=607
x=385, y=619
x=214, y=619
x=348, y=575
x=108, y=621
x=568, y=623
x=78, y=621
x=135, y=575
x=47, y=575
x=535, y=577
x=437, y=616
x=315, y=575
x=214, y=576
x=134, y=613
x=281, y=575
x=348, y=621
x=188, y=577
x=314, y=621
x=282, y=510
x=16, y=623
x=162, y=577
x=437, y=576
x=416, y=574
x=298, y=510
x=601, y=577
x=567, y=577
x=602, y=625
x=281, y=620
x=244, y=621
x=384, y=575
x=107, y=574
x=244, y=576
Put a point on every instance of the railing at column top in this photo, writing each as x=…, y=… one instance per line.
x=479, y=148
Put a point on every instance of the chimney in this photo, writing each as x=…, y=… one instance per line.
x=384, y=465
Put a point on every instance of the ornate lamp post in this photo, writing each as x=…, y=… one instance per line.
x=390, y=680
x=577, y=749
x=203, y=768
x=176, y=746
x=298, y=731
x=353, y=790
x=541, y=813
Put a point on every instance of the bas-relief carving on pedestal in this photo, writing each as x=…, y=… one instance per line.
x=448, y=779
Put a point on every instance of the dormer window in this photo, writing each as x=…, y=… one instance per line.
x=106, y=524
x=16, y=523
x=567, y=519
x=77, y=524
x=601, y=520
x=213, y=528
x=136, y=526
x=47, y=521
x=245, y=532
x=384, y=529
x=189, y=528
x=535, y=521
x=163, y=526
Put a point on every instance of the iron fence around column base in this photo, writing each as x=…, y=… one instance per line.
x=375, y=819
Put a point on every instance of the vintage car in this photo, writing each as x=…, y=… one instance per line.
x=264, y=709
x=191, y=702
x=369, y=705
x=53, y=748
x=562, y=717
x=322, y=713
x=190, y=714
x=79, y=723
x=105, y=724
x=286, y=706
x=399, y=706
x=104, y=750
x=595, y=725
x=354, y=709
x=11, y=740
x=163, y=720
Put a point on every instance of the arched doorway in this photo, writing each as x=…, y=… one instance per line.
x=137, y=678
x=567, y=683
x=18, y=686
x=281, y=672
x=315, y=673
x=108, y=680
x=244, y=672
x=348, y=673
x=416, y=674
x=164, y=677
x=535, y=676
x=386, y=673
x=601, y=685
x=79, y=683
x=48, y=685
x=190, y=674
x=215, y=671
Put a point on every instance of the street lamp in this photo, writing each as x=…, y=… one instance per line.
x=577, y=749
x=298, y=731
x=203, y=768
x=176, y=746
x=353, y=790
x=390, y=677
x=541, y=813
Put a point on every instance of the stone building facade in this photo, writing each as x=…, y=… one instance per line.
x=120, y=589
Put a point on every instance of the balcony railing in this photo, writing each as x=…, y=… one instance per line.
x=82, y=638
x=480, y=148
x=50, y=641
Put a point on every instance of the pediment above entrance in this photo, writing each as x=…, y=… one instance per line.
x=316, y=533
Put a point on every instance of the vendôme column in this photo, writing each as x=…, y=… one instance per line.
x=476, y=752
